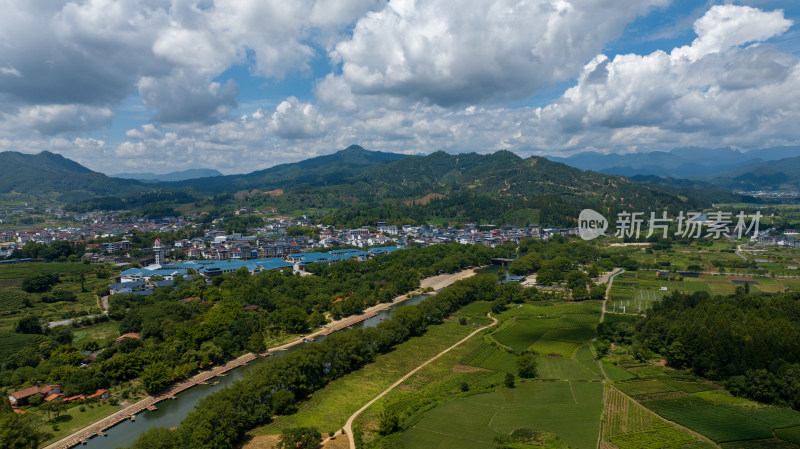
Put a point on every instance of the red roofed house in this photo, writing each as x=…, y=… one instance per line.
x=52, y=397
x=128, y=335
x=22, y=396
x=102, y=393
x=80, y=396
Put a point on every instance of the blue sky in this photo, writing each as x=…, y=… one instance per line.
x=169, y=85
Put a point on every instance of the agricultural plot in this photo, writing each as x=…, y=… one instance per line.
x=560, y=330
x=11, y=342
x=628, y=425
x=561, y=368
x=616, y=373
x=723, y=422
x=770, y=443
x=524, y=332
x=790, y=434
x=570, y=410
x=12, y=300
x=490, y=357
x=644, y=387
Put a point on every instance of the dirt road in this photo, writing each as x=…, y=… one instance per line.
x=348, y=427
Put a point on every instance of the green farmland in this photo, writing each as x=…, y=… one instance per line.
x=571, y=410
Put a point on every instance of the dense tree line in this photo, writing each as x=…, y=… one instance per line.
x=60, y=250
x=220, y=420
x=749, y=342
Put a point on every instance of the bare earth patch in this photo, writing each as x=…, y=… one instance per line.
x=467, y=369
x=262, y=442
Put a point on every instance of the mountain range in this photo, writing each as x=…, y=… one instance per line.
x=725, y=168
x=183, y=175
x=488, y=185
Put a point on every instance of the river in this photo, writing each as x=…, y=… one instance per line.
x=170, y=413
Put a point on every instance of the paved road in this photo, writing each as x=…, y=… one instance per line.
x=348, y=427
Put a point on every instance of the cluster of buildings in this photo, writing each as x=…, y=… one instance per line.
x=49, y=394
x=142, y=281
x=787, y=239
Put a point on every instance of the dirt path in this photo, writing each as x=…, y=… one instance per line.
x=436, y=282
x=348, y=427
x=608, y=279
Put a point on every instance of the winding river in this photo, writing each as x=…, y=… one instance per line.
x=171, y=412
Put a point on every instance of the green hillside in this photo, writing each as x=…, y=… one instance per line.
x=49, y=173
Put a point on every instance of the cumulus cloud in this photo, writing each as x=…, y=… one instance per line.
x=504, y=49
x=715, y=86
x=295, y=120
x=184, y=97
x=55, y=119
x=98, y=52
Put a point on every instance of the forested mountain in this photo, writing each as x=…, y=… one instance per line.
x=496, y=187
x=323, y=170
x=48, y=173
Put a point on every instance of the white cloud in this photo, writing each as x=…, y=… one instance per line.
x=55, y=119
x=480, y=50
x=148, y=131
x=713, y=88
x=295, y=120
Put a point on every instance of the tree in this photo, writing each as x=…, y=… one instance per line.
x=283, y=402
x=156, y=376
x=157, y=438
x=39, y=283
x=29, y=324
x=61, y=334
x=299, y=438
x=509, y=380
x=526, y=366
x=16, y=431
x=389, y=423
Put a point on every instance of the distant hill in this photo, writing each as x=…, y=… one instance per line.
x=322, y=170
x=47, y=173
x=504, y=175
x=783, y=174
x=184, y=175
x=689, y=162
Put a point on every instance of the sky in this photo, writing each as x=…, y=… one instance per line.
x=160, y=86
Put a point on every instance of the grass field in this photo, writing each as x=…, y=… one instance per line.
x=330, y=407
x=570, y=410
x=74, y=419
x=100, y=333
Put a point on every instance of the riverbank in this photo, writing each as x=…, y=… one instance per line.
x=99, y=427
